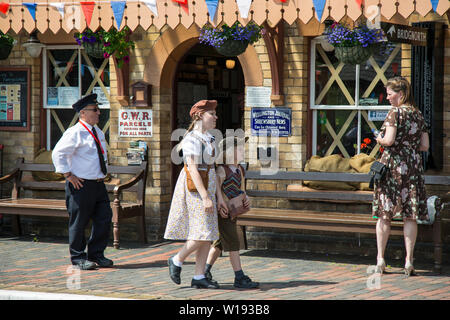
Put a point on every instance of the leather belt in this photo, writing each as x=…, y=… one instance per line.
x=95, y=180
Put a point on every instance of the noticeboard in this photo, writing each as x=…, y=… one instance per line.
x=15, y=98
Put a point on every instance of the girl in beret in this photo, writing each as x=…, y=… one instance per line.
x=193, y=214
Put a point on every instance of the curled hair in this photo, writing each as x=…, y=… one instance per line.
x=401, y=84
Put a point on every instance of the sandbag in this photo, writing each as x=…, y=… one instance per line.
x=44, y=156
x=362, y=163
x=332, y=163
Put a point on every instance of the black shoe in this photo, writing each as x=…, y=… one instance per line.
x=208, y=275
x=245, y=283
x=102, y=262
x=174, y=271
x=85, y=264
x=204, y=284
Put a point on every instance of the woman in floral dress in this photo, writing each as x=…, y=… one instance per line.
x=193, y=215
x=401, y=194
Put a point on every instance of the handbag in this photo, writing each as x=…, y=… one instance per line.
x=204, y=174
x=236, y=206
x=378, y=172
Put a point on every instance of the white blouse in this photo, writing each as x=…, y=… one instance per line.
x=192, y=146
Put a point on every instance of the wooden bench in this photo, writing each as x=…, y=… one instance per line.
x=18, y=205
x=331, y=221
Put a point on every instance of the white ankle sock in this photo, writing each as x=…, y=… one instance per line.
x=177, y=262
x=199, y=277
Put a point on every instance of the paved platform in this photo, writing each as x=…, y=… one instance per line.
x=141, y=272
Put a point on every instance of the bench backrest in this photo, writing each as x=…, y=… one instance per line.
x=139, y=188
x=333, y=176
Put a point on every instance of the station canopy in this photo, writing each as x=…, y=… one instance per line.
x=54, y=15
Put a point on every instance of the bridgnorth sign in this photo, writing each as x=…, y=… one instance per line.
x=405, y=34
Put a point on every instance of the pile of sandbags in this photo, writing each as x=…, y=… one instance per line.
x=336, y=163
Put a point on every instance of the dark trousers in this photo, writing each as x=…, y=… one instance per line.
x=89, y=202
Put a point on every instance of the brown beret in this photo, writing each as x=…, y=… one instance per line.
x=203, y=105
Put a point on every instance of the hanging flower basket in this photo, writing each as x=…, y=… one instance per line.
x=94, y=49
x=6, y=45
x=353, y=55
x=353, y=46
x=232, y=48
x=231, y=41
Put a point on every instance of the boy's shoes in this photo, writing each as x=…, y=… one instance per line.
x=83, y=264
x=102, y=262
x=174, y=271
x=208, y=275
x=245, y=283
x=204, y=284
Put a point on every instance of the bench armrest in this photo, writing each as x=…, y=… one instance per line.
x=119, y=188
x=9, y=176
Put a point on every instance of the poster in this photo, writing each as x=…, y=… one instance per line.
x=67, y=96
x=135, y=123
x=271, y=121
x=10, y=102
x=258, y=97
x=101, y=97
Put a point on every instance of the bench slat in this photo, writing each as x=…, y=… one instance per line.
x=333, y=176
x=324, y=196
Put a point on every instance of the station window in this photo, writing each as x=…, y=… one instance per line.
x=349, y=101
x=69, y=75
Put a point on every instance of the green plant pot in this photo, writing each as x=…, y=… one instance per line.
x=94, y=50
x=232, y=48
x=5, y=49
x=354, y=55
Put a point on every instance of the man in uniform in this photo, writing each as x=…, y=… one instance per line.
x=80, y=155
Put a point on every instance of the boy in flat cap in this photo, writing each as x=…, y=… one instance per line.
x=80, y=155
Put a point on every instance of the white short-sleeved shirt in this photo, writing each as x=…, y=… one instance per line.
x=192, y=146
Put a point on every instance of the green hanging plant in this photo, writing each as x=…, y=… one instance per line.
x=112, y=43
x=6, y=45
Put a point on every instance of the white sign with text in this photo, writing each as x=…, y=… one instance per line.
x=135, y=123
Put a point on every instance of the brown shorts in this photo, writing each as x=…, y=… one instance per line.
x=228, y=235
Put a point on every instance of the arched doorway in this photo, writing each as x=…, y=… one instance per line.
x=202, y=73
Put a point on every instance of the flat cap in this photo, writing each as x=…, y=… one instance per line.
x=85, y=101
x=202, y=106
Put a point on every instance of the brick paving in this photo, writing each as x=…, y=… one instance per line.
x=141, y=272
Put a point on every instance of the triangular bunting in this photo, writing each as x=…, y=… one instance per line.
x=59, y=6
x=4, y=7
x=88, y=9
x=183, y=4
x=212, y=7
x=434, y=4
x=359, y=2
x=118, y=8
x=319, y=6
x=31, y=8
x=151, y=4
x=244, y=7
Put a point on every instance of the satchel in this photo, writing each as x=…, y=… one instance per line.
x=378, y=172
x=236, y=206
x=204, y=174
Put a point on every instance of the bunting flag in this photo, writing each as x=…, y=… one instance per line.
x=88, y=9
x=434, y=4
x=183, y=4
x=59, y=6
x=244, y=7
x=151, y=4
x=319, y=5
x=4, y=7
x=31, y=8
x=359, y=2
x=212, y=7
x=118, y=8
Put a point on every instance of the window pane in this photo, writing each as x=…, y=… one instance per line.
x=374, y=73
x=326, y=134
x=66, y=117
x=89, y=83
x=62, y=77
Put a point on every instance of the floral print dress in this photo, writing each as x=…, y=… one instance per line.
x=401, y=194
